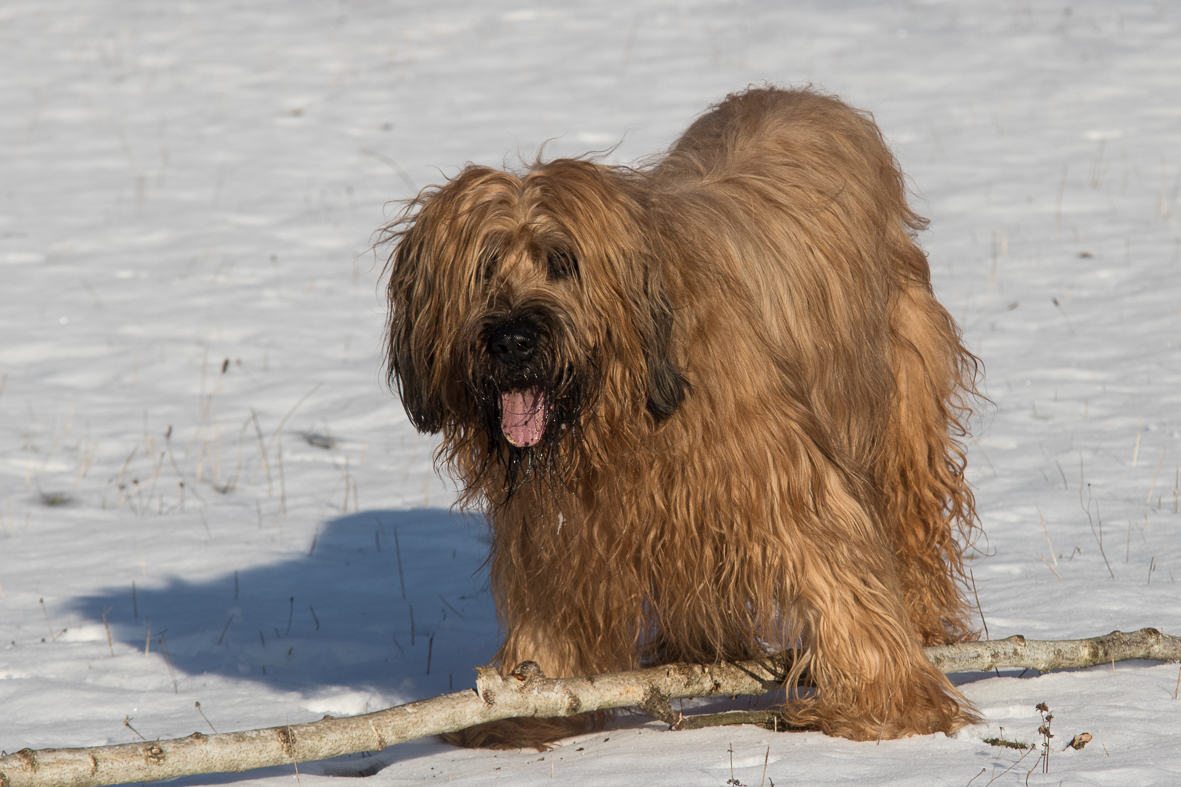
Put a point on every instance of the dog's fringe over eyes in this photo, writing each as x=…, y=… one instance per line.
x=709, y=407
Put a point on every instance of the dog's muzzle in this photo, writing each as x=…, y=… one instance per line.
x=524, y=409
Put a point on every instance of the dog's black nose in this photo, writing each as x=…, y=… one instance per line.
x=512, y=343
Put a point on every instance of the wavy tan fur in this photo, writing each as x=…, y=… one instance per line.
x=753, y=403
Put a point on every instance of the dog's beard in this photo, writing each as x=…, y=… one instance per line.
x=534, y=433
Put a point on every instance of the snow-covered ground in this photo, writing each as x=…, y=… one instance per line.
x=197, y=446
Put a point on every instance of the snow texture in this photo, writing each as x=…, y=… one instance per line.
x=188, y=192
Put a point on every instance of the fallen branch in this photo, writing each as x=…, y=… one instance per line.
x=525, y=693
x=1046, y=655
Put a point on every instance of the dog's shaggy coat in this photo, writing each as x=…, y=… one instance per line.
x=709, y=407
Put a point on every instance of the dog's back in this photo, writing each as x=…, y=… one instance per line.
x=808, y=140
x=824, y=222
x=800, y=192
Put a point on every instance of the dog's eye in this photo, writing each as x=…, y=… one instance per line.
x=489, y=260
x=562, y=264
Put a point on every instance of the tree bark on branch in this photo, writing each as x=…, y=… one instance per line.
x=524, y=693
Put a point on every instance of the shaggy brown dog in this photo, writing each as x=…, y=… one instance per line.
x=708, y=407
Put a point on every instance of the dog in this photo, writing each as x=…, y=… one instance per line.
x=709, y=406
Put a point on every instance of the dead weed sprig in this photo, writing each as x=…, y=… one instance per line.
x=1044, y=731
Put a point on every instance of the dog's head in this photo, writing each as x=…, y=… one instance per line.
x=526, y=310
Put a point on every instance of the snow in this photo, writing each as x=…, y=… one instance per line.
x=188, y=193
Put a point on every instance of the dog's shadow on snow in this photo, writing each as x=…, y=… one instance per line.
x=385, y=607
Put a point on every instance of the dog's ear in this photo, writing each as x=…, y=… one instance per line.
x=411, y=356
x=667, y=386
x=410, y=375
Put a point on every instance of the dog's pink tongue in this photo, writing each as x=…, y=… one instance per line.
x=523, y=416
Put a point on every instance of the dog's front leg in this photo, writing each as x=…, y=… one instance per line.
x=872, y=678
